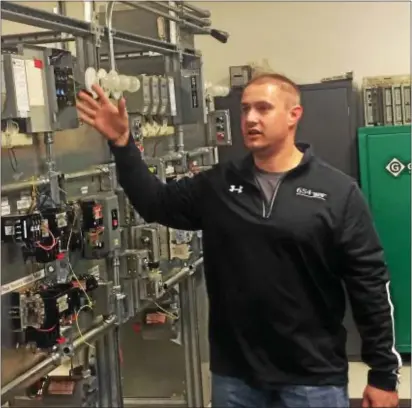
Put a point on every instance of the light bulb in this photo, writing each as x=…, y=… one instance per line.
x=134, y=84
x=112, y=81
x=124, y=83
x=90, y=78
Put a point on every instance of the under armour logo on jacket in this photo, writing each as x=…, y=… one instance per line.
x=234, y=189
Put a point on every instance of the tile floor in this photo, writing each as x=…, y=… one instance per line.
x=358, y=376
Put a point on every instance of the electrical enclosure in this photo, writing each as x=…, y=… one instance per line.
x=385, y=173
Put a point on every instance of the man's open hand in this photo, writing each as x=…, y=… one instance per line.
x=377, y=398
x=110, y=120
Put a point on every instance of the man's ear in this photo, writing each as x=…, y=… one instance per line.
x=295, y=114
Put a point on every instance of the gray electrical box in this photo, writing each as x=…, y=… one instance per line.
x=40, y=93
x=102, y=239
x=133, y=264
x=26, y=100
x=240, y=75
x=191, y=98
x=140, y=101
x=218, y=128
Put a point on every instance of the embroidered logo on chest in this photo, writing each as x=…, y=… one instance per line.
x=308, y=193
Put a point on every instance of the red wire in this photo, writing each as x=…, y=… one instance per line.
x=47, y=330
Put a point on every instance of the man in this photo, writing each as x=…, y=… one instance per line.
x=282, y=231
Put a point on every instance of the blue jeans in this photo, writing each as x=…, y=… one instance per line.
x=234, y=393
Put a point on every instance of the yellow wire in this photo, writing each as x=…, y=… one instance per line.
x=78, y=327
x=81, y=286
x=89, y=305
x=171, y=315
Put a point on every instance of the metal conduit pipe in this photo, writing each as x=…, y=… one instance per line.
x=199, y=11
x=167, y=16
x=182, y=274
x=201, y=151
x=86, y=173
x=109, y=16
x=151, y=10
x=23, y=185
x=201, y=21
x=53, y=361
x=43, y=181
x=180, y=142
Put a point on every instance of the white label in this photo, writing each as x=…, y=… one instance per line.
x=62, y=303
x=84, y=190
x=45, y=231
x=9, y=230
x=61, y=220
x=4, y=200
x=19, y=283
x=172, y=97
x=95, y=271
x=24, y=203
x=20, y=83
x=5, y=209
x=169, y=170
x=35, y=84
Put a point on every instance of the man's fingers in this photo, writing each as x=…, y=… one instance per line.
x=100, y=93
x=122, y=107
x=365, y=402
x=83, y=108
x=86, y=119
x=87, y=99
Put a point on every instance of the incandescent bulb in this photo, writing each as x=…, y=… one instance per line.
x=134, y=84
x=124, y=83
x=112, y=81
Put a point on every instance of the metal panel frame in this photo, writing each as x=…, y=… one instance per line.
x=87, y=37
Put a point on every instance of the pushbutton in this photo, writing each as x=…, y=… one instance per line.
x=115, y=219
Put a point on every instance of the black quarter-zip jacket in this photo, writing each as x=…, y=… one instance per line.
x=275, y=278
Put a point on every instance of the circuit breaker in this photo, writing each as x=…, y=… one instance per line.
x=164, y=95
x=155, y=94
x=218, y=128
x=100, y=225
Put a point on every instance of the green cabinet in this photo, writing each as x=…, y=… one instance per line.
x=385, y=173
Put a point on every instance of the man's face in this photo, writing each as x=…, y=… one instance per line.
x=269, y=114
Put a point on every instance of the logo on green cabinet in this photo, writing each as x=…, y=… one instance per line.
x=396, y=167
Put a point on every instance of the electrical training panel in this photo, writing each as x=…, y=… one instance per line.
x=51, y=227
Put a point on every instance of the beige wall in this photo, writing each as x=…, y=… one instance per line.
x=307, y=41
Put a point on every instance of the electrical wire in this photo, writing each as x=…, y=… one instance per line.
x=78, y=326
x=167, y=313
x=46, y=330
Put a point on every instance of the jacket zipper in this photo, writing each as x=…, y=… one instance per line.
x=272, y=201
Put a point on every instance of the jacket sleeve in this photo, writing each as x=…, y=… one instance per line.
x=177, y=204
x=367, y=281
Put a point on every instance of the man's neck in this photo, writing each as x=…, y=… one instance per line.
x=280, y=161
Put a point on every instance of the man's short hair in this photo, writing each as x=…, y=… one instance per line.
x=285, y=83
